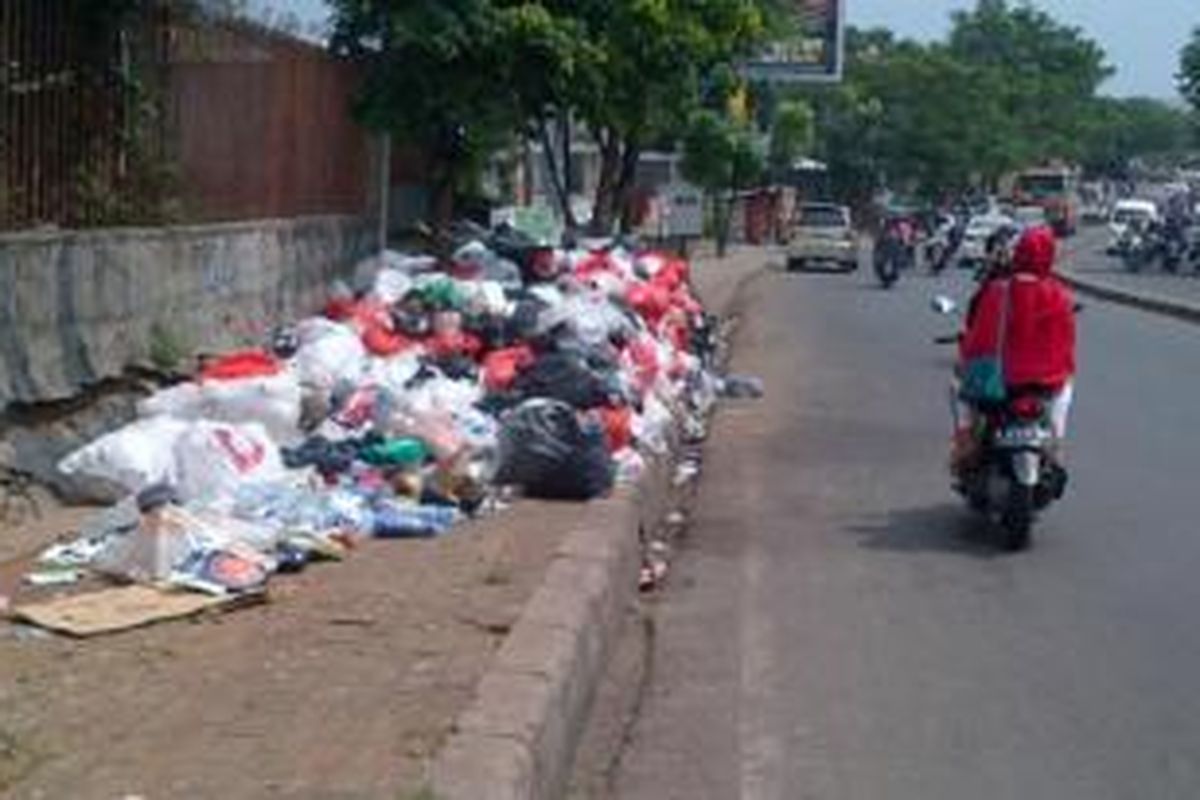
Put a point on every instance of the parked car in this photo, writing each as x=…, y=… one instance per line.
x=974, y=247
x=823, y=234
x=1126, y=213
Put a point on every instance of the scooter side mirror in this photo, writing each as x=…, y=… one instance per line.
x=944, y=305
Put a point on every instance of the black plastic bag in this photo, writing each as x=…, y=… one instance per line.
x=567, y=377
x=545, y=450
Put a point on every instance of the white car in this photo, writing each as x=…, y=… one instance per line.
x=823, y=234
x=974, y=245
x=1126, y=213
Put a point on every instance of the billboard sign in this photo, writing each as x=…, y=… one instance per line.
x=814, y=50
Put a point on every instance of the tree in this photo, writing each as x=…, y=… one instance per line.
x=1121, y=130
x=722, y=158
x=792, y=134
x=431, y=80
x=456, y=76
x=1009, y=87
x=653, y=58
x=1046, y=74
x=1189, y=70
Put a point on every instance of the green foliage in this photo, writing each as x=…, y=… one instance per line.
x=1189, y=70
x=722, y=158
x=167, y=349
x=1043, y=74
x=456, y=77
x=719, y=155
x=1009, y=87
x=792, y=133
x=1120, y=130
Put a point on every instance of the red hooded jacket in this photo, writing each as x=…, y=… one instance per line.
x=1039, y=340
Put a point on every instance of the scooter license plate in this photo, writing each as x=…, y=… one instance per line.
x=1022, y=436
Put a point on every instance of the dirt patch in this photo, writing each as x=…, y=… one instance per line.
x=342, y=685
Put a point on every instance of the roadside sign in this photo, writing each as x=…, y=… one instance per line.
x=813, y=52
x=683, y=212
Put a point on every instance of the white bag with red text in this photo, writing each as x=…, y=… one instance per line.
x=214, y=458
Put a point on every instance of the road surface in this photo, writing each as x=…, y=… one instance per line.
x=838, y=628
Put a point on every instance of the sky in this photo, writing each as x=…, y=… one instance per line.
x=1142, y=37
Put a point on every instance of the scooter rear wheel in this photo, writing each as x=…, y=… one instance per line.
x=1017, y=520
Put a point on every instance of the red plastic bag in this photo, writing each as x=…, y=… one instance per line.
x=340, y=309
x=501, y=367
x=240, y=365
x=649, y=300
x=643, y=353
x=673, y=275
x=369, y=313
x=593, y=264
x=618, y=427
x=382, y=342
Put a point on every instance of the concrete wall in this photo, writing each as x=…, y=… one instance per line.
x=79, y=307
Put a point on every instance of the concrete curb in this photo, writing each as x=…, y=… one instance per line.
x=517, y=740
x=1178, y=309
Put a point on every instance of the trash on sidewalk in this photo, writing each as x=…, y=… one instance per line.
x=426, y=395
x=741, y=387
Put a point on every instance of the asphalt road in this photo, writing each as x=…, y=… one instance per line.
x=839, y=628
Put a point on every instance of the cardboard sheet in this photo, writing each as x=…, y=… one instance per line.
x=119, y=609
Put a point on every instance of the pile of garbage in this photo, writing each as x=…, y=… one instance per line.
x=430, y=391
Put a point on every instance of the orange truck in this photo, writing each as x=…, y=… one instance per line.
x=1053, y=189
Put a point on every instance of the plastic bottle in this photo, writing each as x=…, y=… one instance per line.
x=399, y=521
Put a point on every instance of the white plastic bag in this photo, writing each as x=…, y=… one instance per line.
x=441, y=394
x=485, y=296
x=139, y=455
x=368, y=270
x=651, y=428
x=391, y=285
x=184, y=401
x=215, y=458
x=394, y=373
x=329, y=354
x=273, y=401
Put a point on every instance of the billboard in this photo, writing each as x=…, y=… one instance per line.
x=813, y=51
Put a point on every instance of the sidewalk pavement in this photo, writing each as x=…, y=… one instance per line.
x=344, y=685
x=1093, y=273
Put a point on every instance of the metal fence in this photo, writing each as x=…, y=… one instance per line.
x=64, y=104
x=167, y=117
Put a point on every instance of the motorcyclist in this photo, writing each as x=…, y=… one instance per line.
x=1026, y=315
x=1176, y=220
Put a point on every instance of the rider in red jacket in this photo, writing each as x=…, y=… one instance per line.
x=1038, y=314
x=1039, y=337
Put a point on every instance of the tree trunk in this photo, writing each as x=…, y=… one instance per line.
x=627, y=184
x=723, y=217
x=557, y=174
x=442, y=202
x=604, y=207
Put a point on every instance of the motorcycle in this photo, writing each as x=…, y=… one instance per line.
x=888, y=259
x=1137, y=248
x=1174, y=251
x=1011, y=476
x=941, y=246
